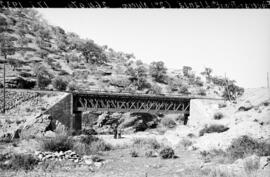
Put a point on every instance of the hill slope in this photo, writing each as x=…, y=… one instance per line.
x=47, y=56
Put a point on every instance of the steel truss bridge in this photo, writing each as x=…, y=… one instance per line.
x=127, y=102
x=119, y=102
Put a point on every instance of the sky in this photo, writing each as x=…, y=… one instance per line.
x=230, y=41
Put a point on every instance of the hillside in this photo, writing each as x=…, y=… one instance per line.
x=48, y=57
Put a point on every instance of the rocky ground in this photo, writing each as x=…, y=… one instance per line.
x=193, y=151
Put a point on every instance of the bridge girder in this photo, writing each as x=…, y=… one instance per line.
x=130, y=104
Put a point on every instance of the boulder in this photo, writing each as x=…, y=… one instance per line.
x=36, y=127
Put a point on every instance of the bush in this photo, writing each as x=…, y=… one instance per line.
x=60, y=83
x=245, y=145
x=168, y=122
x=134, y=153
x=58, y=143
x=19, y=162
x=72, y=86
x=218, y=115
x=167, y=153
x=183, y=90
x=213, y=129
x=202, y=92
x=155, y=89
x=222, y=105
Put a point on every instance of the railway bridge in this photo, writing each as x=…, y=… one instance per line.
x=128, y=102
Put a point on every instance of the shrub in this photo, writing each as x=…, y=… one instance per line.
x=218, y=115
x=213, y=129
x=58, y=143
x=245, y=145
x=60, y=83
x=183, y=89
x=63, y=73
x=134, y=153
x=72, y=86
x=19, y=162
x=222, y=105
x=202, y=92
x=168, y=122
x=155, y=89
x=167, y=153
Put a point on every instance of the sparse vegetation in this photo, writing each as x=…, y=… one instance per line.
x=213, y=129
x=18, y=162
x=243, y=146
x=91, y=145
x=58, y=143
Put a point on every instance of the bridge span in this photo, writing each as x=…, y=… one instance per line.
x=128, y=102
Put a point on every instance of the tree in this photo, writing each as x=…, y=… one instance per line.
x=93, y=53
x=186, y=70
x=158, y=71
x=42, y=75
x=207, y=72
x=232, y=91
x=60, y=83
x=138, y=76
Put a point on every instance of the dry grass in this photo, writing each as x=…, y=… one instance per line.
x=58, y=143
x=91, y=145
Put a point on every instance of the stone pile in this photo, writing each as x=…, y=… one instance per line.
x=67, y=155
x=72, y=156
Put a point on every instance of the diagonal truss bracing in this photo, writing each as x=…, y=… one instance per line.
x=92, y=102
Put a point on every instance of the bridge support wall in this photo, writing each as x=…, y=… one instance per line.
x=62, y=111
